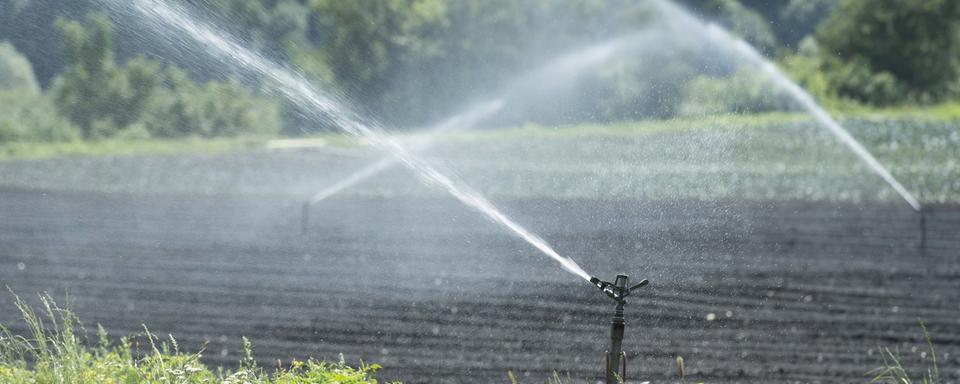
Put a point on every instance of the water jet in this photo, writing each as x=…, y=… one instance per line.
x=563, y=69
x=175, y=23
x=719, y=36
x=618, y=290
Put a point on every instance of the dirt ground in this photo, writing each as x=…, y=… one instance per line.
x=745, y=292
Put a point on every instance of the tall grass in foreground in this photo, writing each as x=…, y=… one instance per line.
x=56, y=349
x=892, y=371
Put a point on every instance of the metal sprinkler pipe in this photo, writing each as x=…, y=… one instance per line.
x=616, y=369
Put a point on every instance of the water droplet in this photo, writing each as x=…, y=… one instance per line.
x=728, y=314
x=224, y=352
x=21, y=266
x=711, y=316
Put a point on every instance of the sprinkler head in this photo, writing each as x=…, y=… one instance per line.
x=618, y=289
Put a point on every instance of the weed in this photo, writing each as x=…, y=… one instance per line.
x=892, y=371
x=55, y=350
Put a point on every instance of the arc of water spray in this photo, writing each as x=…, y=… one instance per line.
x=331, y=106
x=722, y=37
x=565, y=67
x=461, y=121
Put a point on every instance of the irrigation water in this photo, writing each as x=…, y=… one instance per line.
x=721, y=37
x=331, y=106
x=465, y=120
x=556, y=72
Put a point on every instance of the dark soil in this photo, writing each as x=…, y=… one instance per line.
x=744, y=292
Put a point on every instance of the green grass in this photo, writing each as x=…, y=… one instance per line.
x=57, y=349
x=767, y=157
x=118, y=147
x=892, y=371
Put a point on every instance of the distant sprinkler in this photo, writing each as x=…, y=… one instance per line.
x=616, y=369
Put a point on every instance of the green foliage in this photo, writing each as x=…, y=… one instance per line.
x=16, y=73
x=25, y=114
x=888, y=51
x=371, y=43
x=92, y=92
x=142, y=98
x=412, y=61
x=56, y=348
x=29, y=117
x=213, y=109
x=268, y=24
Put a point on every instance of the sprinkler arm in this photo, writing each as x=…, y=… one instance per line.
x=618, y=289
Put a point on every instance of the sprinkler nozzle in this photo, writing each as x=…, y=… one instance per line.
x=618, y=289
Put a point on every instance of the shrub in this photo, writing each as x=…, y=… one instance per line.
x=214, y=109
x=25, y=116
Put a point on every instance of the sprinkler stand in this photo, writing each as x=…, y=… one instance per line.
x=616, y=369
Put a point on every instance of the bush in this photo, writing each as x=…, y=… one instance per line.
x=214, y=109
x=25, y=116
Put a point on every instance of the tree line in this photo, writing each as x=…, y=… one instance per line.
x=68, y=71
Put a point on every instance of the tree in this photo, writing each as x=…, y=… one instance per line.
x=25, y=114
x=105, y=99
x=373, y=45
x=16, y=71
x=885, y=51
x=86, y=92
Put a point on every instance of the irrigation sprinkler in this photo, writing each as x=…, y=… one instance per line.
x=616, y=369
